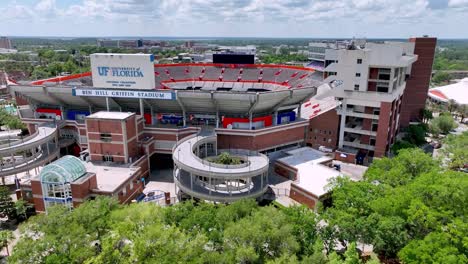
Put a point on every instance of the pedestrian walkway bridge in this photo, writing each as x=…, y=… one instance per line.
x=31, y=152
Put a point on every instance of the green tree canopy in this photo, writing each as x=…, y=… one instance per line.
x=442, y=124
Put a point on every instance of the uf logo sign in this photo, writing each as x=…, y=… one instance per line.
x=103, y=71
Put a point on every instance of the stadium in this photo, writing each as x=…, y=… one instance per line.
x=128, y=115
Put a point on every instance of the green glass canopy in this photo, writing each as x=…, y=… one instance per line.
x=64, y=170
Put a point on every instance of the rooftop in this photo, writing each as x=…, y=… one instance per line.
x=457, y=91
x=313, y=176
x=111, y=115
x=109, y=177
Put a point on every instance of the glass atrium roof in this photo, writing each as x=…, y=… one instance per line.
x=64, y=170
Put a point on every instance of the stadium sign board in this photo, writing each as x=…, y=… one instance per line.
x=124, y=94
x=124, y=71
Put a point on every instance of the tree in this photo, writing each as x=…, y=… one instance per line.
x=455, y=151
x=351, y=255
x=39, y=73
x=427, y=115
x=7, y=206
x=5, y=237
x=401, y=144
x=442, y=124
x=21, y=208
x=227, y=159
x=400, y=202
x=416, y=134
x=264, y=235
x=452, y=106
x=304, y=227
x=441, y=77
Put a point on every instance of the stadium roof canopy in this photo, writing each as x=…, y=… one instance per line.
x=237, y=90
x=457, y=92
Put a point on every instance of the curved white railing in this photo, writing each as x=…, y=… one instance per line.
x=184, y=157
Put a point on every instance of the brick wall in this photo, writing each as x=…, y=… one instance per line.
x=285, y=171
x=414, y=97
x=302, y=196
x=320, y=128
x=37, y=196
x=260, y=142
x=82, y=189
x=383, y=130
x=349, y=158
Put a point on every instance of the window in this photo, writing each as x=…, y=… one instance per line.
x=329, y=132
x=359, y=61
x=372, y=142
x=124, y=191
x=315, y=137
x=382, y=89
x=358, y=74
x=108, y=158
x=376, y=111
x=356, y=87
x=324, y=139
x=106, y=137
x=375, y=127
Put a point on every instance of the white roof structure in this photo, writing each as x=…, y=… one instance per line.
x=457, y=92
x=313, y=176
x=111, y=115
x=109, y=178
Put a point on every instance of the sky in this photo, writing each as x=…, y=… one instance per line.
x=236, y=18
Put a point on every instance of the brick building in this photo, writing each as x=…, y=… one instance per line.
x=417, y=85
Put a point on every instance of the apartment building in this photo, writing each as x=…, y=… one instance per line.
x=369, y=80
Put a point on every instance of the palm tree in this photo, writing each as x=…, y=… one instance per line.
x=5, y=237
x=452, y=105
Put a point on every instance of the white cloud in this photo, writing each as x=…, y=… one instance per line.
x=458, y=3
x=175, y=17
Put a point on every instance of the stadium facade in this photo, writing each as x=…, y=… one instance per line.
x=128, y=113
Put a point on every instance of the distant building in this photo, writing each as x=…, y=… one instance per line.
x=130, y=43
x=7, y=51
x=189, y=44
x=5, y=43
x=248, y=49
x=150, y=43
x=457, y=92
x=108, y=43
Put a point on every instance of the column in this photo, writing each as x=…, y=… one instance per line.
x=217, y=119
x=153, y=120
x=209, y=181
x=107, y=104
x=142, y=108
x=275, y=118
x=250, y=121
x=342, y=122
x=184, y=118
x=191, y=182
x=261, y=180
